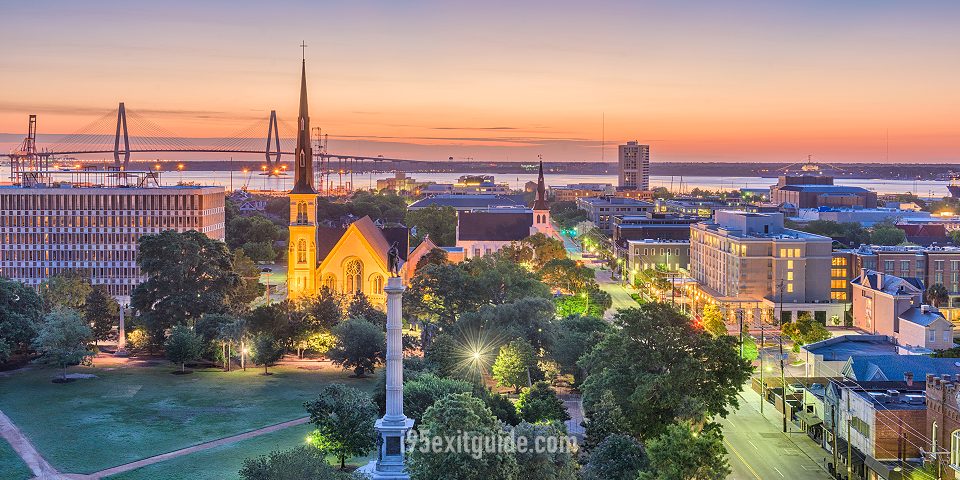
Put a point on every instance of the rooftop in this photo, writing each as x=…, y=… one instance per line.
x=842, y=347
x=466, y=202
x=832, y=189
x=889, y=284
x=895, y=399
x=610, y=200
x=504, y=225
x=893, y=367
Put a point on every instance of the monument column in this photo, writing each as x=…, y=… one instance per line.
x=392, y=428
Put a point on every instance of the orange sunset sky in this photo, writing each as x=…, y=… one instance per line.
x=699, y=81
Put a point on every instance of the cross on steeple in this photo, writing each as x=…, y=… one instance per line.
x=303, y=49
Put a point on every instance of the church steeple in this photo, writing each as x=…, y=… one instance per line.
x=541, y=202
x=303, y=155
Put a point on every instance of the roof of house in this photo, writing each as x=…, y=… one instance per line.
x=466, y=202
x=923, y=318
x=892, y=284
x=380, y=239
x=892, y=367
x=842, y=347
x=494, y=225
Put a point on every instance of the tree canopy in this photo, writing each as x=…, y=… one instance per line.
x=360, y=346
x=514, y=363
x=344, y=417
x=440, y=223
x=660, y=367
x=20, y=310
x=67, y=289
x=64, y=339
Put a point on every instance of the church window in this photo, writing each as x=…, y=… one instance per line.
x=302, y=251
x=376, y=285
x=302, y=212
x=302, y=162
x=353, y=274
x=330, y=282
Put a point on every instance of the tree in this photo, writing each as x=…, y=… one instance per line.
x=887, y=234
x=678, y=372
x=344, y=417
x=255, y=235
x=687, y=452
x=268, y=319
x=937, y=295
x=443, y=356
x=460, y=415
x=617, y=457
x=20, y=309
x=593, y=302
x=248, y=288
x=266, y=351
x=360, y=307
x=68, y=289
x=298, y=463
x=567, y=275
x=848, y=233
x=604, y=420
x=422, y=392
x=545, y=464
x=540, y=403
x=436, y=256
x=545, y=249
x=566, y=214
x=361, y=345
x=712, y=320
x=955, y=237
x=101, y=312
x=63, y=339
x=440, y=223
x=529, y=318
x=513, y=364
x=182, y=346
x=500, y=405
x=188, y=275
x=805, y=330
x=576, y=334
x=324, y=310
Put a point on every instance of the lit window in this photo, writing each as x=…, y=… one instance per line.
x=789, y=288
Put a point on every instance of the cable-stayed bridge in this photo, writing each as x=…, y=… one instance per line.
x=123, y=132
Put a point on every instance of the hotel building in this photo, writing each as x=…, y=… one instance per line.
x=750, y=261
x=50, y=228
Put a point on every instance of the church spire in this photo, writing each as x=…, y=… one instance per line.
x=303, y=155
x=541, y=202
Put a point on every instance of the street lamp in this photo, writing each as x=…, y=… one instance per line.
x=267, y=272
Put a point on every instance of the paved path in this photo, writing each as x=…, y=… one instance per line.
x=759, y=450
x=38, y=465
x=574, y=405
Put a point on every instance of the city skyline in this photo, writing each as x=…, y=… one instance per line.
x=754, y=82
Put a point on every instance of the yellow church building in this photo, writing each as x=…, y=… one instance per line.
x=343, y=260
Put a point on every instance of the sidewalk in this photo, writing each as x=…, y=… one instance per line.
x=797, y=437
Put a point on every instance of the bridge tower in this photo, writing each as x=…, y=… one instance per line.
x=125, y=144
x=273, y=141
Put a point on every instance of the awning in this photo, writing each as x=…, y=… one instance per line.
x=809, y=419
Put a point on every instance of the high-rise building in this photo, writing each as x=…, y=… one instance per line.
x=48, y=228
x=750, y=259
x=634, y=166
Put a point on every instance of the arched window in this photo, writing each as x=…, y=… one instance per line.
x=330, y=282
x=302, y=212
x=376, y=284
x=955, y=447
x=353, y=277
x=302, y=251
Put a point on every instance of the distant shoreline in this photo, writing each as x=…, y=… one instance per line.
x=939, y=172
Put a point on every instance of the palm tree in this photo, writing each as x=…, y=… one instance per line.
x=937, y=295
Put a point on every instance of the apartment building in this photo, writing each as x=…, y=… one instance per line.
x=750, y=257
x=669, y=255
x=46, y=229
x=574, y=191
x=633, y=166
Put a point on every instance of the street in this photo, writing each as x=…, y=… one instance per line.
x=620, y=295
x=758, y=450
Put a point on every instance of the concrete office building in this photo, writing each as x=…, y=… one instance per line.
x=633, y=166
x=601, y=210
x=812, y=191
x=743, y=258
x=49, y=228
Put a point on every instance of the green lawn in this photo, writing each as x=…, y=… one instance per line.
x=127, y=414
x=223, y=462
x=11, y=467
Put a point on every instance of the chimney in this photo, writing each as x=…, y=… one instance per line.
x=879, y=280
x=908, y=377
x=863, y=275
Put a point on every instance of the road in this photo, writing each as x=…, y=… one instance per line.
x=620, y=295
x=758, y=450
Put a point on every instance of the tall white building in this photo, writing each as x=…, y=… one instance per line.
x=634, y=166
